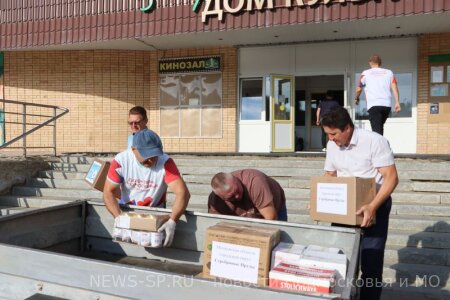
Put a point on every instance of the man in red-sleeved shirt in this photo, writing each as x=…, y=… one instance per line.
x=247, y=193
x=378, y=83
x=143, y=174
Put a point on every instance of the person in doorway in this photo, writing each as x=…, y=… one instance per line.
x=378, y=84
x=143, y=173
x=362, y=153
x=247, y=193
x=137, y=119
x=325, y=106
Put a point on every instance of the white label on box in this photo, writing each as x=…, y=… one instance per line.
x=235, y=262
x=93, y=171
x=332, y=198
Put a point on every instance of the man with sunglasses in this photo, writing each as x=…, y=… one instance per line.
x=137, y=120
x=247, y=193
x=143, y=173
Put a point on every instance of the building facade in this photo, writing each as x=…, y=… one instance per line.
x=223, y=76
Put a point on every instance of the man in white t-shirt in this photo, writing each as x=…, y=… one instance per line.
x=137, y=119
x=362, y=153
x=378, y=84
x=143, y=174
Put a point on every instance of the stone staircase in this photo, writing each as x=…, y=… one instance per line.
x=417, y=257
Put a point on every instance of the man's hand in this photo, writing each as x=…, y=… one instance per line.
x=357, y=101
x=397, y=107
x=368, y=213
x=169, y=228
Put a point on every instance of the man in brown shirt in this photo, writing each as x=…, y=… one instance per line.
x=247, y=193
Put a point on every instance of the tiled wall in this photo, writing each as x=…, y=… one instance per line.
x=99, y=87
x=432, y=138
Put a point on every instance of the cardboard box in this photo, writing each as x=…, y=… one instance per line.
x=239, y=252
x=146, y=222
x=336, y=199
x=326, y=260
x=302, y=279
x=286, y=252
x=96, y=176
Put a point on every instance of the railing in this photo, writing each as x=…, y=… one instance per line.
x=22, y=121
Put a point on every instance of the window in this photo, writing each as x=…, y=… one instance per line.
x=405, y=89
x=439, y=79
x=252, y=100
x=191, y=105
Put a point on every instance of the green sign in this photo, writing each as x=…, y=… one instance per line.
x=190, y=64
x=439, y=58
x=151, y=4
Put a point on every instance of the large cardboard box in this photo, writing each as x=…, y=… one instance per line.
x=239, y=252
x=96, y=176
x=147, y=222
x=336, y=199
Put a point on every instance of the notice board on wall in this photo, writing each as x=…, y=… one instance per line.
x=439, y=112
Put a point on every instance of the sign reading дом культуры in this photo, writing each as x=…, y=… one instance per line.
x=332, y=198
x=212, y=8
x=235, y=262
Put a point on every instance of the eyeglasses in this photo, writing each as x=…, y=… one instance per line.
x=134, y=123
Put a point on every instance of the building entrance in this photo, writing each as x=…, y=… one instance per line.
x=310, y=90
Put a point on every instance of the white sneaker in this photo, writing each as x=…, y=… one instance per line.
x=324, y=149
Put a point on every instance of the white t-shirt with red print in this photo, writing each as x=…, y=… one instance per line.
x=377, y=86
x=141, y=185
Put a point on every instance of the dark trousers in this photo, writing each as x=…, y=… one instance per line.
x=372, y=253
x=324, y=138
x=377, y=117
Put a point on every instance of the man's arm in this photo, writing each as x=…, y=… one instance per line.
x=318, y=116
x=269, y=212
x=109, y=199
x=394, y=89
x=182, y=195
x=330, y=174
x=357, y=94
x=390, y=181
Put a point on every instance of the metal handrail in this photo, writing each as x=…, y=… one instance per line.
x=24, y=123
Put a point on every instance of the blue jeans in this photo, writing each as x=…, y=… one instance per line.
x=372, y=253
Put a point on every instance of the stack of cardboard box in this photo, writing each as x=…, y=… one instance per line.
x=140, y=229
x=307, y=269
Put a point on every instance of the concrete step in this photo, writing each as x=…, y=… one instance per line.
x=414, y=255
x=294, y=169
x=34, y=201
x=435, y=187
x=411, y=292
x=300, y=203
x=415, y=224
x=423, y=239
x=58, y=183
x=422, y=164
x=264, y=161
x=439, y=210
x=61, y=174
x=73, y=193
x=70, y=167
x=11, y=210
x=417, y=275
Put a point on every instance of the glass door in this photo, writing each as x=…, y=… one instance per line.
x=282, y=114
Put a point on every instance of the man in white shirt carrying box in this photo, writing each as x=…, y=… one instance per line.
x=362, y=153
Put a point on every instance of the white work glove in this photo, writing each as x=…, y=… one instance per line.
x=169, y=228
